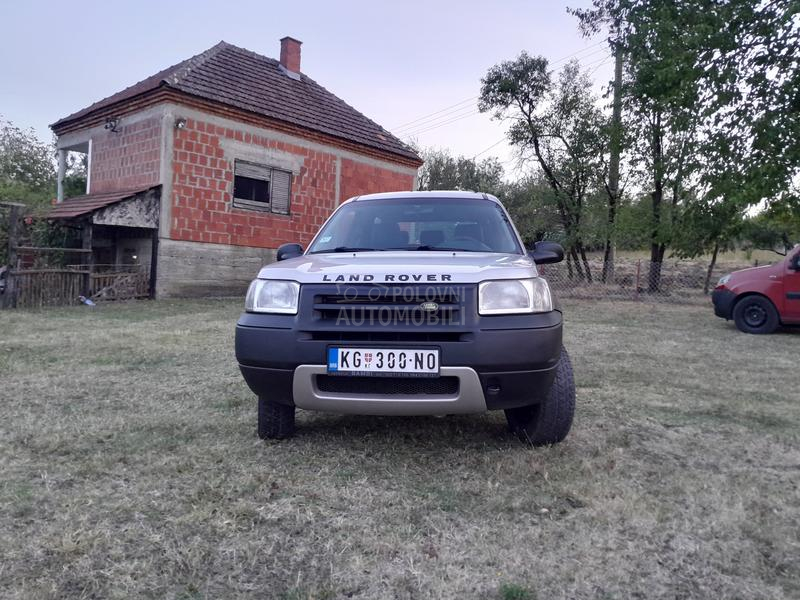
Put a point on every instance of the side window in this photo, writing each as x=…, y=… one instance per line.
x=260, y=187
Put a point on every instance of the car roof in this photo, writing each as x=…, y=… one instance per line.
x=437, y=194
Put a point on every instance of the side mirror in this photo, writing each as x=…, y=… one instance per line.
x=795, y=262
x=544, y=253
x=286, y=251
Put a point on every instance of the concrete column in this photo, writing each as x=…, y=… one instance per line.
x=62, y=172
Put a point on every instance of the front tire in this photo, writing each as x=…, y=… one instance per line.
x=275, y=420
x=548, y=422
x=755, y=314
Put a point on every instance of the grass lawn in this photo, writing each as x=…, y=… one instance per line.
x=131, y=468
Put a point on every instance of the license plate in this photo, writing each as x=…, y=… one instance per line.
x=383, y=361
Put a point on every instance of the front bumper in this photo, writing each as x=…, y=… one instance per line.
x=500, y=361
x=467, y=398
x=723, y=303
x=509, y=368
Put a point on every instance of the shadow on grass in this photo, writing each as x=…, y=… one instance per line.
x=476, y=429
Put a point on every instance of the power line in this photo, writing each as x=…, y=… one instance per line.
x=500, y=141
x=566, y=58
x=459, y=114
x=425, y=117
x=434, y=120
x=599, y=60
x=459, y=118
x=602, y=64
x=450, y=108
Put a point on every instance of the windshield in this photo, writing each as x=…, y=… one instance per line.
x=442, y=224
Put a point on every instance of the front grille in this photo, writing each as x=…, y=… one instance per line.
x=414, y=336
x=385, y=305
x=388, y=386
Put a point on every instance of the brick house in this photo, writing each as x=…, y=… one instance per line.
x=201, y=171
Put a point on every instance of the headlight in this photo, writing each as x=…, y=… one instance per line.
x=272, y=296
x=724, y=279
x=514, y=296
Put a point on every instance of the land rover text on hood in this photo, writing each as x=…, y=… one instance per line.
x=409, y=303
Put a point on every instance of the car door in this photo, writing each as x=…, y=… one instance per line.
x=791, y=286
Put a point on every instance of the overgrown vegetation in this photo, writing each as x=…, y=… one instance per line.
x=28, y=169
x=131, y=468
x=709, y=131
x=28, y=176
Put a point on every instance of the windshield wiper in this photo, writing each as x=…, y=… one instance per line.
x=440, y=248
x=347, y=249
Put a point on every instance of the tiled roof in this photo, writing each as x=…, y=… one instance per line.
x=243, y=79
x=81, y=205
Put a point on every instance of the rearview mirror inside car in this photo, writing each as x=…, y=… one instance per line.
x=547, y=252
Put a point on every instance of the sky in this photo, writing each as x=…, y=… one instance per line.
x=414, y=67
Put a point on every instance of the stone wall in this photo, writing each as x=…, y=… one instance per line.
x=200, y=269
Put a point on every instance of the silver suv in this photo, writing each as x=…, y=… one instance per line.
x=409, y=303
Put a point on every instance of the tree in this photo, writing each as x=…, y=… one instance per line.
x=712, y=84
x=27, y=168
x=558, y=126
x=532, y=207
x=776, y=229
x=28, y=176
x=442, y=171
x=707, y=228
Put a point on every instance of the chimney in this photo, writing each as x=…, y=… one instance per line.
x=290, y=54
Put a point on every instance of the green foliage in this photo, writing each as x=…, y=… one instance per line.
x=23, y=158
x=704, y=227
x=532, y=207
x=557, y=126
x=76, y=175
x=777, y=228
x=512, y=591
x=442, y=171
x=710, y=91
x=27, y=167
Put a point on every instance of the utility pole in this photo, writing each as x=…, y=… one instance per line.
x=609, y=256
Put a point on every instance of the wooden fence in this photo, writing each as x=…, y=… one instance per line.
x=45, y=280
x=127, y=284
x=38, y=288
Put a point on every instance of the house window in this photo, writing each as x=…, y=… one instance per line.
x=259, y=187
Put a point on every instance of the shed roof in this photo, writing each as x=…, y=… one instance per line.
x=82, y=205
x=243, y=79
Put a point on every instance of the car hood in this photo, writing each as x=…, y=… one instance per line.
x=401, y=267
x=755, y=272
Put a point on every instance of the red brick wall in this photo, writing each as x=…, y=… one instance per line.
x=128, y=158
x=203, y=186
x=359, y=178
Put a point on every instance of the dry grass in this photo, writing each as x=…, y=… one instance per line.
x=130, y=468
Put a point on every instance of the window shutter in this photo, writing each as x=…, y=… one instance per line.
x=281, y=191
x=246, y=169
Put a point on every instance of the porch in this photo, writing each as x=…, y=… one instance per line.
x=111, y=253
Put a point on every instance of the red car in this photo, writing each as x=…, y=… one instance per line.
x=761, y=299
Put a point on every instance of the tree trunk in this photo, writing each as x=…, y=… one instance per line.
x=613, y=170
x=587, y=268
x=573, y=251
x=656, y=247
x=713, y=264
x=609, y=251
x=656, y=261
